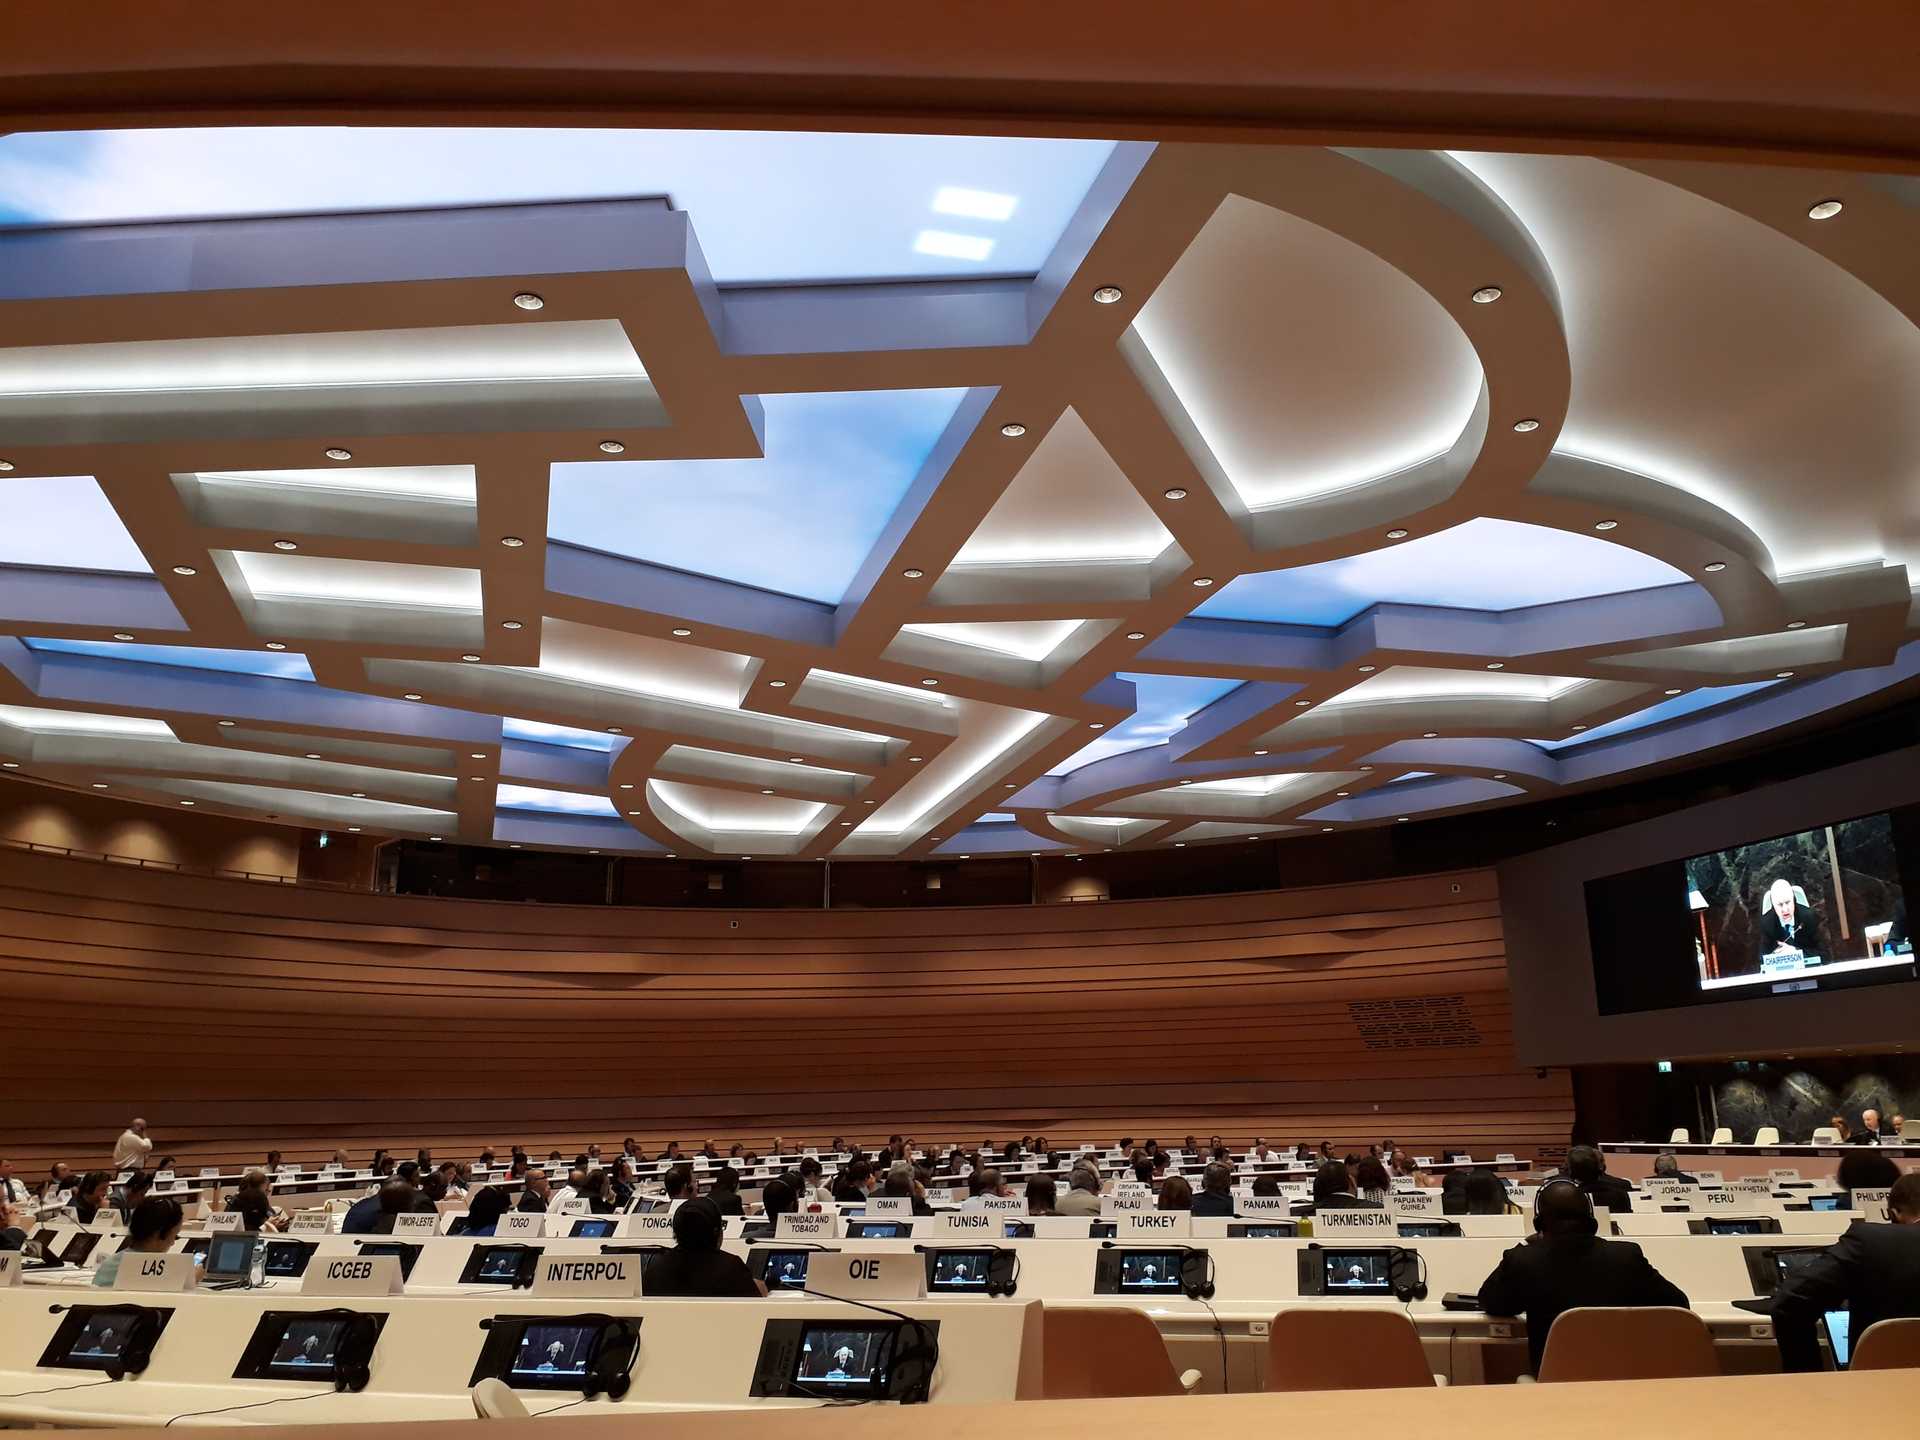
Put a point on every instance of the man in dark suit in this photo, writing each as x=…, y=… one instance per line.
x=535, y=1191
x=1873, y=1270
x=1565, y=1264
x=1333, y=1190
x=1216, y=1190
x=1587, y=1168
x=1787, y=924
x=1869, y=1132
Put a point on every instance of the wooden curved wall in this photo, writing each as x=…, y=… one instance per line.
x=235, y=1016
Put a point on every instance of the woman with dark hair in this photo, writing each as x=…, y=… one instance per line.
x=1176, y=1194
x=1372, y=1181
x=696, y=1265
x=93, y=1194
x=485, y=1209
x=622, y=1181
x=131, y=1191
x=252, y=1203
x=151, y=1230
x=597, y=1191
x=777, y=1198
x=1487, y=1195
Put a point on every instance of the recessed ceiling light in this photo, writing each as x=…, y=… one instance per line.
x=846, y=822
x=1486, y=295
x=1013, y=429
x=1526, y=426
x=1302, y=704
x=123, y=635
x=1366, y=767
x=966, y=857
x=1202, y=582
x=1825, y=210
x=355, y=830
x=359, y=795
x=1096, y=725
x=1796, y=624
x=1496, y=665
x=746, y=857
x=9, y=764
x=5, y=465
x=224, y=724
x=1259, y=752
x=1579, y=727
x=476, y=754
x=99, y=784
x=766, y=792
x=1401, y=818
x=185, y=570
x=276, y=645
x=1186, y=782
x=527, y=300
x=613, y=730
x=186, y=802
x=929, y=680
x=777, y=684
x=1108, y=295
x=512, y=542
x=337, y=452
x=1368, y=669
x=796, y=760
x=876, y=802
x=514, y=846
x=1716, y=567
x=913, y=759
x=1136, y=634
x=1784, y=675
x=1499, y=774
x=1606, y=524
x=913, y=573
x=286, y=545
x=510, y=625
x=476, y=777
x=612, y=447
x=1342, y=794
x=593, y=852
x=1396, y=534
x=626, y=785
x=413, y=695
x=1674, y=691
x=681, y=631
x=1430, y=735
x=1178, y=492
x=313, y=754
x=470, y=659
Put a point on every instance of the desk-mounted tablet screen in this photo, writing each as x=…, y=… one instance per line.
x=958, y=1271
x=317, y=1345
x=1263, y=1230
x=287, y=1259
x=1346, y=1270
x=1839, y=1325
x=594, y=1227
x=500, y=1265
x=1827, y=1202
x=79, y=1247
x=781, y=1269
x=588, y=1353
x=1137, y=1271
x=229, y=1256
x=105, y=1337
x=400, y=1250
x=1426, y=1229
x=647, y=1253
x=1735, y=1225
x=847, y=1359
x=1768, y=1265
x=879, y=1229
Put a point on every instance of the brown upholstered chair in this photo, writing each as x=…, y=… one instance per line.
x=1644, y=1342
x=1331, y=1347
x=1888, y=1345
x=1096, y=1353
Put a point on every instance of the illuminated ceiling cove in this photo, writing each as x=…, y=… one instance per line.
x=842, y=496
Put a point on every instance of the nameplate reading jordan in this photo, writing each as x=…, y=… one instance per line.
x=310, y=1222
x=601, y=1275
x=1263, y=1206
x=1353, y=1222
x=807, y=1227
x=1416, y=1202
x=1871, y=1202
x=1142, y=1224
x=422, y=1224
x=656, y=1226
x=869, y=1276
x=1005, y=1204
x=889, y=1207
x=226, y=1223
x=968, y=1222
x=155, y=1272
x=520, y=1222
x=353, y=1275
x=9, y=1268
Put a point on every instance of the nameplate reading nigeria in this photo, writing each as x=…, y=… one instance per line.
x=352, y=1275
x=868, y=1276
x=1353, y=1222
x=602, y=1275
x=155, y=1272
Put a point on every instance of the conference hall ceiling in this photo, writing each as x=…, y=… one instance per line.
x=838, y=495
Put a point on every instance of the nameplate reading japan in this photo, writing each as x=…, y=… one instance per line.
x=521, y=1222
x=869, y=1277
x=602, y=1275
x=1139, y=1224
x=352, y=1275
x=310, y=1222
x=807, y=1227
x=965, y=1222
x=1353, y=1222
x=421, y=1224
x=155, y=1272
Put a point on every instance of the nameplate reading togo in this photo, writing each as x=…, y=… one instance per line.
x=1416, y=1202
x=520, y=1222
x=421, y=1224
x=1871, y=1202
x=1005, y=1204
x=310, y=1222
x=352, y=1275
x=1353, y=1222
x=605, y=1275
x=9, y=1268
x=1139, y=1224
x=226, y=1222
x=155, y=1272
x=868, y=1276
x=968, y=1222
x=889, y=1207
x=1264, y=1206
x=823, y=1226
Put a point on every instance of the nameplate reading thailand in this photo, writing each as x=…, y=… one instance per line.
x=352, y=1275
x=155, y=1272
x=868, y=1277
x=968, y=1222
x=1142, y=1224
x=807, y=1227
x=520, y=1222
x=654, y=1227
x=889, y=1207
x=1265, y=1207
x=1353, y=1222
x=226, y=1223
x=311, y=1222
x=1005, y=1204
x=422, y=1224
x=1417, y=1202
x=602, y=1275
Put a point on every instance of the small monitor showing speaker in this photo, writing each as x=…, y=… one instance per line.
x=1151, y=1270
x=1263, y=1230
x=287, y=1259
x=114, y=1338
x=592, y=1354
x=332, y=1347
x=879, y=1229
x=1768, y=1265
x=1426, y=1229
x=511, y=1265
x=647, y=1253
x=1735, y=1225
x=839, y=1360
x=971, y=1270
x=1361, y=1270
x=401, y=1250
x=779, y=1268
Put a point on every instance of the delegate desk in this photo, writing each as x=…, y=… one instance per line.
x=1634, y=1160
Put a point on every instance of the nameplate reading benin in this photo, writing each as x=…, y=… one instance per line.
x=352, y=1275
x=602, y=1275
x=155, y=1272
x=807, y=1227
x=1353, y=1222
x=1140, y=1224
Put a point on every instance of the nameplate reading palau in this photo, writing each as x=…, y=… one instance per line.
x=602, y=1275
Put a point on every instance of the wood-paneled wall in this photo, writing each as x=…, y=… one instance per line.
x=238, y=1016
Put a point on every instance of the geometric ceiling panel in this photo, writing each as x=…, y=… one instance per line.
x=1163, y=493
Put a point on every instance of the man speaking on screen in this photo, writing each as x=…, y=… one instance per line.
x=1788, y=930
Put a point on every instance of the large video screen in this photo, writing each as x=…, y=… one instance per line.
x=1819, y=909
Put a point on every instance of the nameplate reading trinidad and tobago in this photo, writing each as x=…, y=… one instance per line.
x=595, y=1275
x=794, y=1226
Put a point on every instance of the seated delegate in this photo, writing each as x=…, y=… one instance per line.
x=152, y=1229
x=1873, y=1270
x=696, y=1265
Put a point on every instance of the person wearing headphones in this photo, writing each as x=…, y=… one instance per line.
x=1873, y=1270
x=1565, y=1264
x=152, y=1229
x=696, y=1265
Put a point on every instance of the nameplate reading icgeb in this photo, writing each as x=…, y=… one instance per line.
x=353, y=1275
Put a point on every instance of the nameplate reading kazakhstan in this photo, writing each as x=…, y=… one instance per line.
x=807, y=1227
x=420, y=1224
x=969, y=1222
x=1353, y=1222
x=155, y=1272
x=1155, y=1224
x=310, y=1222
x=603, y=1275
x=520, y=1222
x=353, y=1275
x=868, y=1276
x=889, y=1207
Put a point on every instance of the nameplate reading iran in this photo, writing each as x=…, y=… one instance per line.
x=155, y=1272
x=520, y=1222
x=421, y=1224
x=1272, y=1206
x=604, y=1275
x=224, y=1223
x=807, y=1227
x=869, y=1277
x=889, y=1207
x=9, y=1268
x=1353, y=1222
x=310, y=1222
x=352, y=1275
x=1417, y=1202
x=1139, y=1224
x=967, y=1222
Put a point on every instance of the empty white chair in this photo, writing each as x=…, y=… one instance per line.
x=1826, y=1135
x=492, y=1400
x=1767, y=1135
x=1722, y=1136
x=1680, y=1136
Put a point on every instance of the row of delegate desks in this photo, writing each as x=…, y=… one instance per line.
x=1633, y=1160
x=701, y=1354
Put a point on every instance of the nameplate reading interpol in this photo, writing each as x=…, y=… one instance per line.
x=1153, y=1224
x=868, y=1276
x=1266, y=1207
x=794, y=1226
x=521, y=1222
x=968, y=1222
x=353, y=1275
x=1353, y=1222
x=311, y=1222
x=155, y=1272
x=600, y=1275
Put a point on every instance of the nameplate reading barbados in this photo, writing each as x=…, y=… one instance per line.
x=1353, y=1222
x=601, y=1275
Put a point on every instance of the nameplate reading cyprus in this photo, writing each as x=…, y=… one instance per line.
x=1353, y=1222
x=601, y=1275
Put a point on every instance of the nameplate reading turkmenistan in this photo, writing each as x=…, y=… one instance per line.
x=604, y=1275
x=1353, y=1222
x=1871, y=1202
x=155, y=1272
x=1416, y=1202
x=421, y=1224
x=310, y=1222
x=226, y=1222
x=823, y=1226
x=969, y=1222
x=869, y=1276
x=889, y=1207
x=1145, y=1224
x=9, y=1268
x=353, y=1275
x=1263, y=1206
x=1005, y=1204
x=655, y=1226
x=521, y=1222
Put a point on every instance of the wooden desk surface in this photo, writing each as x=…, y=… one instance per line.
x=1728, y=1408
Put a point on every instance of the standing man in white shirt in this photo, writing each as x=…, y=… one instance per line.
x=130, y=1151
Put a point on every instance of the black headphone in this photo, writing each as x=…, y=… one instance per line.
x=613, y=1361
x=353, y=1356
x=1593, y=1220
x=914, y=1358
x=1398, y=1260
x=143, y=1332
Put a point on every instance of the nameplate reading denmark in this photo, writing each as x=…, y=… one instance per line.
x=807, y=1227
x=422, y=1224
x=155, y=1272
x=657, y=1226
x=869, y=1276
x=1353, y=1222
x=521, y=1222
x=1005, y=1204
x=889, y=1207
x=603, y=1275
x=1143, y=1224
x=1417, y=1202
x=311, y=1222
x=1266, y=1207
x=967, y=1222
x=352, y=1275
x=9, y=1268
x=224, y=1223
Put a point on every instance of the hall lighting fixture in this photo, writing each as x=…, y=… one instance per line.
x=1326, y=829
x=974, y=204
x=778, y=684
x=527, y=300
x=612, y=447
x=185, y=570
x=1486, y=294
x=929, y=680
x=1499, y=774
x=1342, y=794
x=1401, y=818
x=1526, y=426
x=358, y=795
x=1434, y=734
x=186, y=802
x=1825, y=210
x=413, y=695
x=285, y=545
x=1302, y=704
x=913, y=573
x=1396, y=534
x=633, y=812
x=337, y=452
x=966, y=857
x=5, y=465
x=1202, y=582
x=313, y=754
x=433, y=837
x=766, y=792
x=476, y=778
x=1108, y=295
x=9, y=764
x=276, y=645
x=512, y=542
x=613, y=730
x=681, y=631
x=1606, y=524
x=470, y=659
x=1674, y=691
x=99, y=784
x=1136, y=634
x=952, y=245
x=1013, y=429
x=1784, y=675
x=224, y=724
x=123, y=635
x=913, y=759
x=1579, y=727
x=476, y=754
x=1186, y=782
x=1496, y=665
x=1716, y=567
x=796, y=760
x=876, y=802
x=626, y=785
x=1179, y=844
x=1176, y=493
x=1259, y=752
x=1368, y=669
x=1796, y=624
x=1096, y=725
x=1366, y=767
x=846, y=822
x=1008, y=786
x=510, y=625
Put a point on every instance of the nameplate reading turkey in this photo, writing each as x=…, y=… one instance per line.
x=1148, y=1224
